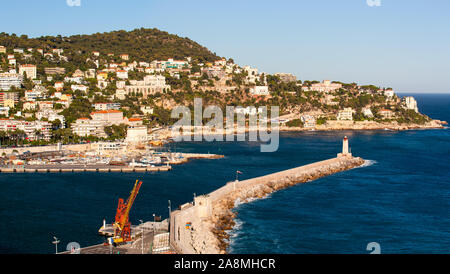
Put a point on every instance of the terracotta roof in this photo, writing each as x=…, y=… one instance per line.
x=106, y=111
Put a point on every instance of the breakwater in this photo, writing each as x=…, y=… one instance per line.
x=201, y=227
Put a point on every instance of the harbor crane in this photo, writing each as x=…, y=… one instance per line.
x=122, y=225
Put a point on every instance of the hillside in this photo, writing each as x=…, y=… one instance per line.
x=145, y=44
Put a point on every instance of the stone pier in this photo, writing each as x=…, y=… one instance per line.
x=200, y=227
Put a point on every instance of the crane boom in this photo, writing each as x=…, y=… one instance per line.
x=122, y=231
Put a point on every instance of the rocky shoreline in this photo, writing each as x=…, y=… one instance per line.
x=223, y=215
x=329, y=126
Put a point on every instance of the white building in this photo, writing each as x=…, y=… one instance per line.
x=108, y=148
x=325, y=86
x=410, y=103
x=260, y=90
x=252, y=74
x=51, y=116
x=82, y=88
x=248, y=110
x=389, y=93
x=58, y=85
x=387, y=113
x=122, y=74
x=32, y=95
x=109, y=117
x=8, y=80
x=137, y=134
x=147, y=110
x=107, y=106
x=29, y=70
x=4, y=111
x=308, y=121
x=30, y=105
x=367, y=112
x=85, y=127
x=120, y=94
x=34, y=130
x=345, y=115
x=150, y=85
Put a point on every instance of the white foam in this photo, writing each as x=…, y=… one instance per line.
x=234, y=233
x=239, y=202
x=368, y=163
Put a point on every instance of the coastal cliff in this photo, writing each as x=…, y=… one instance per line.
x=201, y=227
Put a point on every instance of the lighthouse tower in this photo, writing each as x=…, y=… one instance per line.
x=345, y=149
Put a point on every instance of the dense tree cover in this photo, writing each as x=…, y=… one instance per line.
x=140, y=44
x=116, y=132
x=295, y=123
x=80, y=107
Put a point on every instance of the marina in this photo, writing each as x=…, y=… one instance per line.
x=94, y=158
x=77, y=168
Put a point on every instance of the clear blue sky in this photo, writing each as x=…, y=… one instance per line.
x=403, y=44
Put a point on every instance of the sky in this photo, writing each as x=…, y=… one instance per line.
x=402, y=44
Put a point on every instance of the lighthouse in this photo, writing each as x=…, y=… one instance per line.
x=345, y=148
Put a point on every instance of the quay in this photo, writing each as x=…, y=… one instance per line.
x=200, y=227
x=80, y=168
x=148, y=238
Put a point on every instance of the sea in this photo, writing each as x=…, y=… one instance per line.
x=398, y=201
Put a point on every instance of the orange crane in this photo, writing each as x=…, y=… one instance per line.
x=122, y=225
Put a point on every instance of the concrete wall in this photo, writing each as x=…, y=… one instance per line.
x=78, y=147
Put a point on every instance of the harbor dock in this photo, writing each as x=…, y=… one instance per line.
x=80, y=168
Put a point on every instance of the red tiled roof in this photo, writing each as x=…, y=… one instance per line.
x=106, y=111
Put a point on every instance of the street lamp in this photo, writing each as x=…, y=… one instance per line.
x=142, y=237
x=170, y=209
x=56, y=242
x=154, y=222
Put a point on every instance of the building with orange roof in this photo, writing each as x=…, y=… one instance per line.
x=135, y=122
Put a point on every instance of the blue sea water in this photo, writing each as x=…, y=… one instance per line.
x=399, y=200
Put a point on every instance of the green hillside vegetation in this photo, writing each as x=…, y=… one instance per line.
x=140, y=44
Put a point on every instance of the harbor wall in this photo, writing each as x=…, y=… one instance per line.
x=201, y=227
x=21, y=150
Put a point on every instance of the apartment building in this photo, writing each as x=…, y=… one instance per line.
x=29, y=70
x=150, y=85
x=345, y=115
x=84, y=127
x=34, y=130
x=9, y=99
x=8, y=80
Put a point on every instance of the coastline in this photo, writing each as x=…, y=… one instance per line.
x=329, y=126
